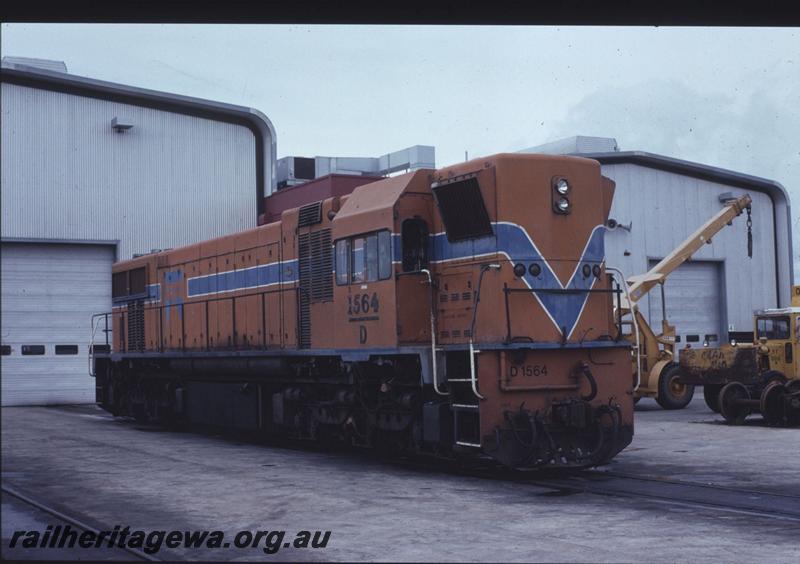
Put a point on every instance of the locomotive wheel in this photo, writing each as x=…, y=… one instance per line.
x=773, y=400
x=711, y=395
x=793, y=407
x=672, y=394
x=728, y=395
x=772, y=376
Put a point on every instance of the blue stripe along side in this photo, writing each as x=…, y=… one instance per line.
x=253, y=277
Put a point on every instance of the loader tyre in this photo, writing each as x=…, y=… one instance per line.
x=711, y=395
x=672, y=394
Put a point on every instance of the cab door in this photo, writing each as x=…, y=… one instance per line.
x=413, y=289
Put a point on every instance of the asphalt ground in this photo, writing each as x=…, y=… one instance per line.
x=106, y=472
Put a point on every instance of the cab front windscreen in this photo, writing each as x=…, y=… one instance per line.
x=772, y=328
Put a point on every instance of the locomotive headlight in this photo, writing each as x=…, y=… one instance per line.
x=560, y=188
x=519, y=270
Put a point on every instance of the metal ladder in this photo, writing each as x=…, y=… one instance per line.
x=464, y=403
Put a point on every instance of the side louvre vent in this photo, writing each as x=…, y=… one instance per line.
x=310, y=214
x=316, y=277
x=321, y=266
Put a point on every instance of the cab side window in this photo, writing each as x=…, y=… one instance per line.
x=342, y=261
x=415, y=245
x=357, y=260
x=364, y=258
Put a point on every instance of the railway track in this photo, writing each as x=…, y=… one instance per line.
x=783, y=507
x=71, y=520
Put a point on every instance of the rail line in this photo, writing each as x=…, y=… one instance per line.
x=784, y=507
x=673, y=492
x=71, y=520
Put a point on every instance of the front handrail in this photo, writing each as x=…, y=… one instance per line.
x=624, y=285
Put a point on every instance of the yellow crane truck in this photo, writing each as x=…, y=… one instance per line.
x=655, y=362
x=762, y=377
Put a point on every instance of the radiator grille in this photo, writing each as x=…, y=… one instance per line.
x=315, y=257
x=316, y=264
x=310, y=214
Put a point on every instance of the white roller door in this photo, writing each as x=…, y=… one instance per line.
x=693, y=295
x=49, y=293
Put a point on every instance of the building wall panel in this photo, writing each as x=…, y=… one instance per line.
x=170, y=180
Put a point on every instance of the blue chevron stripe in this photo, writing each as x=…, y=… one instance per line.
x=513, y=241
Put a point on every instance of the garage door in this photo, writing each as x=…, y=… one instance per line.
x=693, y=296
x=49, y=293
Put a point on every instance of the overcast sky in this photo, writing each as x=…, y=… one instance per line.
x=727, y=97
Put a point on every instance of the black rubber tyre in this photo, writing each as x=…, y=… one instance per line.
x=711, y=395
x=671, y=393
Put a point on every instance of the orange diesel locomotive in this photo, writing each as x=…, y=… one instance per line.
x=459, y=312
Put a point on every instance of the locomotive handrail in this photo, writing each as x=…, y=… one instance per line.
x=507, y=291
x=635, y=325
x=472, y=351
x=427, y=273
x=95, y=322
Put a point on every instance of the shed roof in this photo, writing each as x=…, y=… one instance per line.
x=257, y=122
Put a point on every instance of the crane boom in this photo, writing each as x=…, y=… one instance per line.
x=641, y=284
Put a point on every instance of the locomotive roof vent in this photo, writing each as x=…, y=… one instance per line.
x=463, y=211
